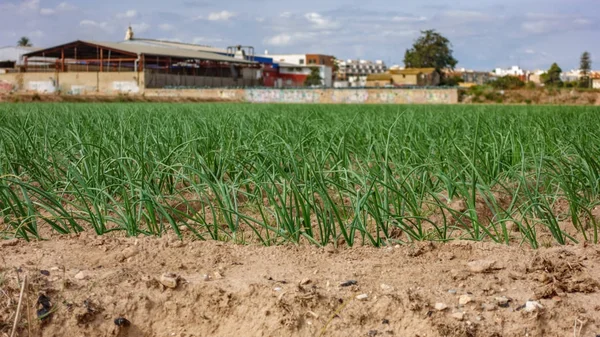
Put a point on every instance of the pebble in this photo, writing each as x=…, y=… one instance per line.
x=277, y=289
x=80, y=276
x=488, y=307
x=481, y=266
x=441, y=306
x=386, y=287
x=54, y=269
x=502, y=301
x=130, y=252
x=206, y=277
x=458, y=316
x=218, y=275
x=452, y=291
x=362, y=297
x=305, y=281
x=9, y=243
x=465, y=299
x=169, y=280
x=532, y=306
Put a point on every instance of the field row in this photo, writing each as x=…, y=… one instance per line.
x=278, y=174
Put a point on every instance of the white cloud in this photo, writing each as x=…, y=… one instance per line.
x=132, y=13
x=140, y=27
x=409, y=18
x=285, y=14
x=582, y=21
x=98, y=25
x=47, y=11
x=166, y=27
x=320, y=22
x=221, y=16
x=31, y=4
x=37, y=34
x=529, y=51
x=260, y=19
x=535, y=27
x=279, y=40
x=62, y=7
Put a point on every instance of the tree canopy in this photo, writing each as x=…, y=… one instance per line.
x=585, y=64
x=314, y=78
x=430, y=50
x=552, y=76
x=24, y=42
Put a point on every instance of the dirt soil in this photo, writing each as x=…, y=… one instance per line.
x=425, y=290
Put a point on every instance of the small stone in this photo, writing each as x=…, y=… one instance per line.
x=532, y=306
x=386, y=287
x=218, y=275
x=305, y=281
x=349, y=283
x=465, y=299
x=169, y=280
x=362, y=297
x=479, y=318
x=80, y=276
x=45, y=272
x=54, y=269
x=372, y=333
x=446, y=256
x=462, y=285
x=556, y=299
x=452, y=292
x=458, y=316
x=502, y=301
x=278, y=289
x=206, y=277
x=9, y=243
x=441, y=306
x=488, y=307
x=481, y=266
x=130, y=252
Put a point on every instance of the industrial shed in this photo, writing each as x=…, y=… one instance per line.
x=162, y=67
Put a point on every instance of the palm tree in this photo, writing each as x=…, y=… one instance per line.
x=24, y=42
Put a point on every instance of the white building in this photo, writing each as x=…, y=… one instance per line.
x=15, y=54
x=297, y=59
x=355, y=72
x=512, y=71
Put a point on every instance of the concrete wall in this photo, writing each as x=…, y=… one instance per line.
x=322, y=96
x=159, y=81
x=73, y=83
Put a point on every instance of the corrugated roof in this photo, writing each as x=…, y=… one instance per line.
x=412, y=71
x=174, y=44
x=379, y=77
x=142, y=49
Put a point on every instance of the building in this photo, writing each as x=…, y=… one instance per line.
x=471, y=77
x=293, y=75
x=405, y=77
x=302, y=59
x=512, y=71
x=355, y=72
x=11, y=58
x=104, y=67
x=416, y=77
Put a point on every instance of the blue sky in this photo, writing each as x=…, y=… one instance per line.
x=485, y=33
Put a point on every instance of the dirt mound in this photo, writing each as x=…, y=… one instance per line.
x=99, y=286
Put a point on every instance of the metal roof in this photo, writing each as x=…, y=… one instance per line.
x=174, y=44
x=142, y=49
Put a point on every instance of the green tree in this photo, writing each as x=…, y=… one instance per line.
x=24, y=42
x=552, y=76
x=430, y=50
x=585, y=67
x=507, y=83
x=314, y=78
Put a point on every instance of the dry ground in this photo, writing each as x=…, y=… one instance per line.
x=234, y=290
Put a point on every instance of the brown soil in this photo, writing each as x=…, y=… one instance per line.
x=29, y=98
x=565, y=96
x=295, y=290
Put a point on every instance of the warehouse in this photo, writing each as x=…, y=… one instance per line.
x=161, y=67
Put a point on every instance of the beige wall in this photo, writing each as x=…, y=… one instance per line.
x=74, y=83
x=405, y=79
x=321, y=96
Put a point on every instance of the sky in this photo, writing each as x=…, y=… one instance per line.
x=485, y=34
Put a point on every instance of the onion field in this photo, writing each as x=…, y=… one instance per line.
x=302, y=174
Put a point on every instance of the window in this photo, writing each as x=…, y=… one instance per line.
x=301, y=61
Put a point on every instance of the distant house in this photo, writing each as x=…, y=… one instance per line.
x=415, y=77
x=380, y=80
x=596, y=83
x=471, y=78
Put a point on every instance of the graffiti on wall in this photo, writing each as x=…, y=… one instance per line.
x=82, y=89
x=5, y=86
x=282, y=96
x=126, y=87
x=349, y=96
x=42, y=87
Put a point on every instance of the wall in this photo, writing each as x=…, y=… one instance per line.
x=73, y=83
x=299, y=59
x=323, y=96
x=159, y=81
